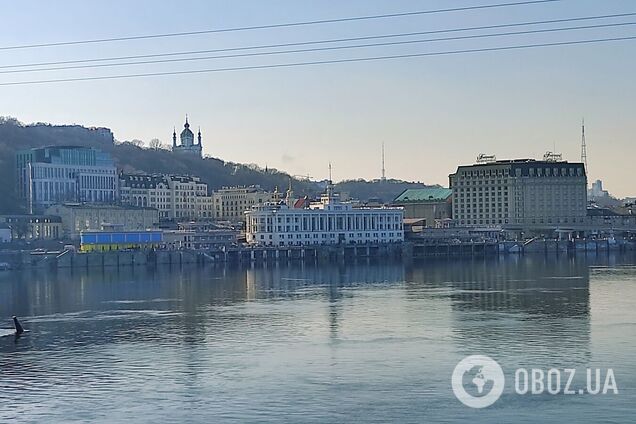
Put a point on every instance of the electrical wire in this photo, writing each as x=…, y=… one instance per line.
x=320, y=62
x=320, y=49
x=281, y=25
x=301, y=43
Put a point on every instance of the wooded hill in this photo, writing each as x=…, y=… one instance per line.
x=131, y=157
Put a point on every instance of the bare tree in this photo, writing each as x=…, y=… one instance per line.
x=155, y=144
x=137, y=143
x=20, y=229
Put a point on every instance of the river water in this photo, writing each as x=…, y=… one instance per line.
x=363, y=342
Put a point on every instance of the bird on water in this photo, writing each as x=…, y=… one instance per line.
x=18, y=327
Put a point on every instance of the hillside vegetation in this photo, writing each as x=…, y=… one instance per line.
x=131, y=157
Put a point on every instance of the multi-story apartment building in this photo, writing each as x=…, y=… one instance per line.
x=175, y=196
x=326, y=222
x=55, y=174
x=230, y=203
x=520, y=193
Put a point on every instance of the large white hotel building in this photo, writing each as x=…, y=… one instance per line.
x=326, y=222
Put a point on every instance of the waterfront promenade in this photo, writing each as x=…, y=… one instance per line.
x=320, y=253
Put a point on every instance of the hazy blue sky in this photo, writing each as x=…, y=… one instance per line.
x=433, y=113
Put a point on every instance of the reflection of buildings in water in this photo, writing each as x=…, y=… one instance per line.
x=119, y=305
x=329, y=280
x=550, y=296
x=532, y=285
x=532, y=304
x=277, y=280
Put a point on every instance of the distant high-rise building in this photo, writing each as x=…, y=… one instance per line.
x=55, y=174
x=187, y=145
x=597, y=192
x=521, y=193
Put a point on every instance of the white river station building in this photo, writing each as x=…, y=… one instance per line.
x=328, y=221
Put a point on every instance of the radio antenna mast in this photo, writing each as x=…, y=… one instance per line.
x=583, y=146
x=383, y=170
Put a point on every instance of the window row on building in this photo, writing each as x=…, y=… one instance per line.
x=50, y=175
x=326, y=222
x=529, y=193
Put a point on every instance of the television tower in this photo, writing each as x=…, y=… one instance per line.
x=383, y=170
x=583, y=146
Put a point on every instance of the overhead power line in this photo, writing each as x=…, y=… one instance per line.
x=280, y=25
x=320, y=49
x=320, y=62
x=327, y=41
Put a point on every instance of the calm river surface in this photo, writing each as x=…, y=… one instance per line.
x=365, y=342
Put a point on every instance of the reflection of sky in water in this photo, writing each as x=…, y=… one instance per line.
x=375, y=342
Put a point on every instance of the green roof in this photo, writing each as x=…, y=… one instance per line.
x=424, y=194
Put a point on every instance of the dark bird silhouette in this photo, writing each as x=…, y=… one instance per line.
x=18, y=327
